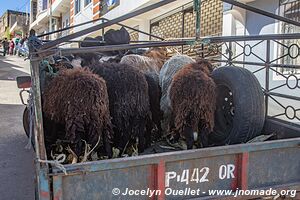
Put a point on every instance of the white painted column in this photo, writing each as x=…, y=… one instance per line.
x=144, y=25
x=234, y=24
x=228, y=24
x=228, y=28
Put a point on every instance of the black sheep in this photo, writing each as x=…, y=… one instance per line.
x=128, y=100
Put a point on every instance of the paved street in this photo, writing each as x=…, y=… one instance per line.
x=16, y=162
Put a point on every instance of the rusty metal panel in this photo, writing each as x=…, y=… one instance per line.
x=203, y=174
x=274, y=167
x=246, y=166
x=42, y=184
x=57, y=188
x=99, y=185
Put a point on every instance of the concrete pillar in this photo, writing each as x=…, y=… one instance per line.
x=144, y=25
x=234, y=24
x=228, y=24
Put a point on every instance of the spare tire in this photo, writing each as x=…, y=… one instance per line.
x=240, y=112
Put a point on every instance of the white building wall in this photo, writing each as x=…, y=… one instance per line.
x=125, y=7
x=60, y=11
x=142, y=21
x=65, y=22
x=144, y=25
x=85, y=14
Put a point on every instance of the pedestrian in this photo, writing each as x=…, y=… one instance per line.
x=17, y=40
x=5, y=46
x=23, y=40
x=11, y=47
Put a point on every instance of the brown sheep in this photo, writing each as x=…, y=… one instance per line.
x=193, y=101
x=160, y=55
x=151, y=62
x=167, y=72
x=143, y=63
x=78, y=100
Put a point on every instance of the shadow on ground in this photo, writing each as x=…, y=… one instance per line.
x=16, y=162
x=7, y=71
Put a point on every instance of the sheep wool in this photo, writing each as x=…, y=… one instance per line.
x=150, y=68
x=78, y=99
x=143, y=63
x=166, y=75
x=193, y=100
x=160, y=54
x=129, y=101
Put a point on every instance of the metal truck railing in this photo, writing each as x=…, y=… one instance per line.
x=247, y=57
x=52, y=183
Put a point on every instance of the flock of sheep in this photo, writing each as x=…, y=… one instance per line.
x=109, y=107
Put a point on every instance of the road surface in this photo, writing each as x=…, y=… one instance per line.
x=16, y=162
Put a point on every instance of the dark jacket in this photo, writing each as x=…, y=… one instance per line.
x=5, y=44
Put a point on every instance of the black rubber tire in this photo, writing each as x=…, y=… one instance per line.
x=249, y=107
x=26, y=121
x=26, y=125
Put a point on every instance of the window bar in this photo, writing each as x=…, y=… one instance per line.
x=182, y=26
x=103, y=32
x=267, y=74
x=197, y=9
x=230, y=54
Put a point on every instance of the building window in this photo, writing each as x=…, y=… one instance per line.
x=54, y=24
x=45, y=4
x=291, y=10
x=33, y=11
x=67, y=23
x=108, y=5
x=77, y=6
x=13, y=19
x=87, y=2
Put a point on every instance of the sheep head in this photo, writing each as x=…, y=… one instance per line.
x=203, y=65
x=158, y=54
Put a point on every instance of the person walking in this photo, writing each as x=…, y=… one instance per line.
x=17, y=45
x=11, y=47
x=5, y=46
x=23, y=40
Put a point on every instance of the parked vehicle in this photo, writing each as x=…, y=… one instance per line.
x=22, y=50
x=257, y=165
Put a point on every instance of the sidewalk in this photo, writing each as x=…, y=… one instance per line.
x=10, y=68
x=16, y=162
